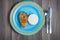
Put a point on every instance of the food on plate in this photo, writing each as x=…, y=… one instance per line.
x=23, y=18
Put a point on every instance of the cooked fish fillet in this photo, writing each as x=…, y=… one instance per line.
x=23, y=18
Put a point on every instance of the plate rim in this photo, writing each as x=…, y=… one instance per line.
x=30, y=33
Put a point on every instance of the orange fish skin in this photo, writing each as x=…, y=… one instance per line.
x=23, y=18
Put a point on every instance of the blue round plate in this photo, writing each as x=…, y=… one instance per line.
x=29, y=8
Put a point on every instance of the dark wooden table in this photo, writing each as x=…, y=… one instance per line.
x=6, y=32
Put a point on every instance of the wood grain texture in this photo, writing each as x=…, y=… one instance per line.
x=1, y=23
x=58, y=20
x=7, y=33
x=6, y=7
x=54, y=20
x=45, y=6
